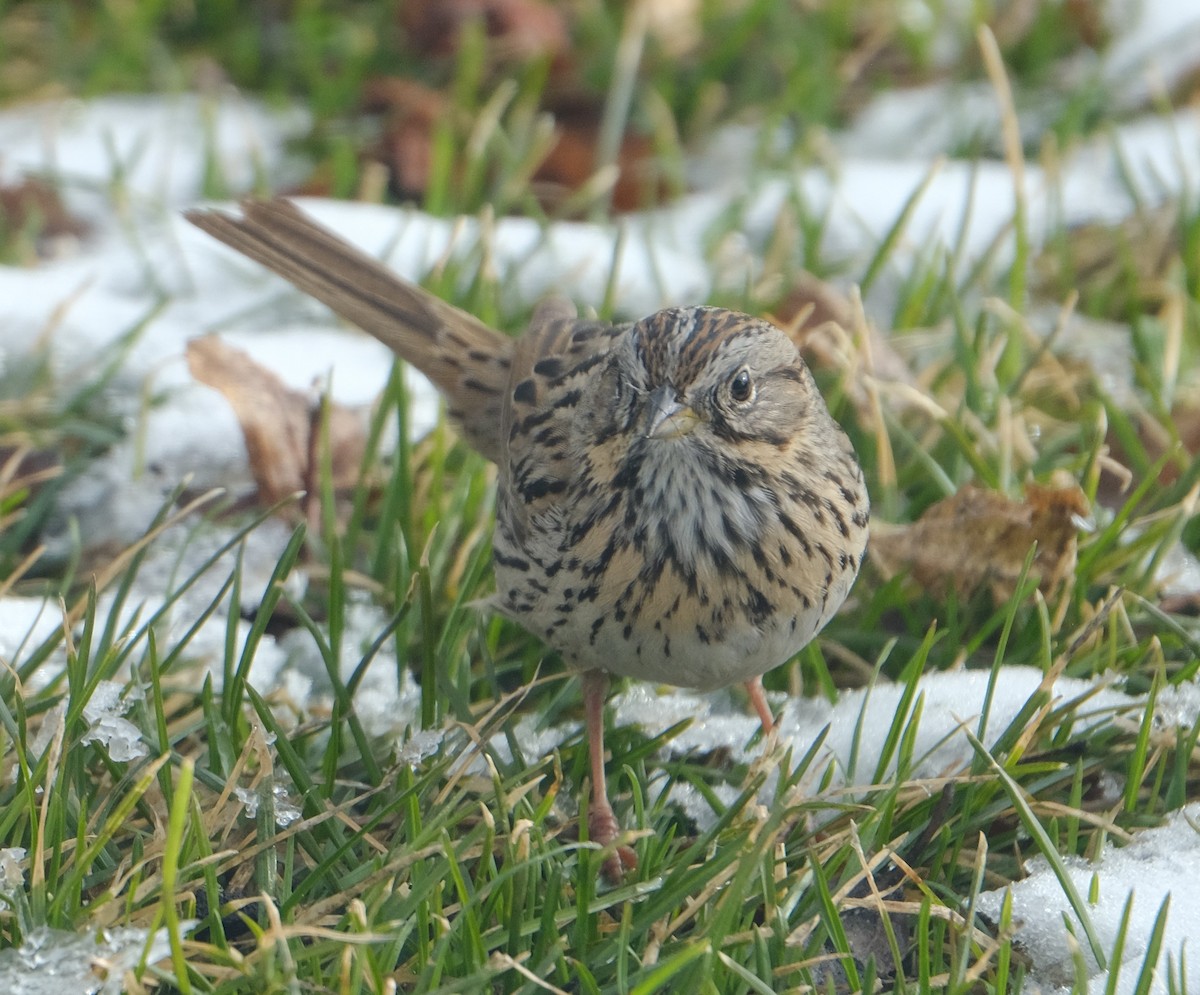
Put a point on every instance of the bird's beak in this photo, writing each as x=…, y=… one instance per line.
x=669, y=417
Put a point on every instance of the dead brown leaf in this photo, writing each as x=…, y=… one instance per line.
x=978, y=539
x=1157, y=440
x=413, y=111
x=571, y=161
x=411, y=114
x=1022, y=22
x=1122, y=265
x=1185, y=415
x=809, y=309
x=1091, y=21
x=32, y=210
x=822, y=320
x=811, y=302
x=516, y=30
x=278, y=423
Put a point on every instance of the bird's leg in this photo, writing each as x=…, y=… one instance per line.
x=758, y=699
x=602, y=821
x=603, y=827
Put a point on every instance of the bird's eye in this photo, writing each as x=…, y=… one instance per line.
x=741, y=386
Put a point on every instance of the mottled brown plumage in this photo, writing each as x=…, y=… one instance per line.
x=675, y=502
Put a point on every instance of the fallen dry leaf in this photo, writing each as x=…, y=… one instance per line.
x=413, y=111
x=810, y=311
x=811, y=302
x=1123, y=265
x=978, y=539
x=1185, y=415
x=278, y=423
x=516, y=30
x=1156, y=440
x=833, y=333
x=1091, y=21
x=571, y=161
x=411, y=114
x=33, y=210
x=1086, y=22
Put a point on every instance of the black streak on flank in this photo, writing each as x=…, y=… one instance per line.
x=627, y=475
x=536, y=419
x=587, y=363
x=551, y=367
x=478, y=386
x=541, y=487
x=760, y=608
x=525, y=392
x=796, y=532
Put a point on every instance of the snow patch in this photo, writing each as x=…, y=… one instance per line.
x=1159, y=864
x=94, y=962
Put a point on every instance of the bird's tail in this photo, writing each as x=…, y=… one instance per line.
x=467, y=360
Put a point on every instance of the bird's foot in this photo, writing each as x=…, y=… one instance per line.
x=604, y=829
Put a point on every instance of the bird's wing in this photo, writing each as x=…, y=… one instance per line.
x=552, y=362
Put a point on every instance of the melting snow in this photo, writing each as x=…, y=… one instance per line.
x=1159, y=865
x=55, y=962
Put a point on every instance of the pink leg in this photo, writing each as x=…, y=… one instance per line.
x=758, y=699
x=603, y=827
